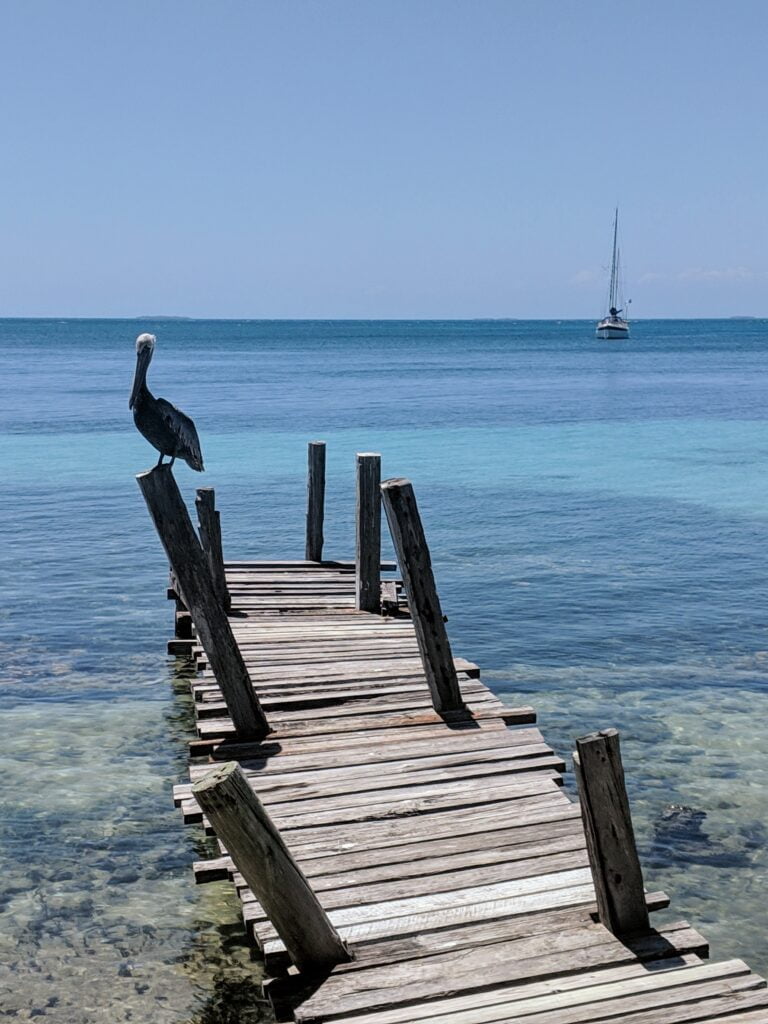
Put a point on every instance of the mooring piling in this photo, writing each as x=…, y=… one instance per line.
x=315, y=500
x=193, y=578
x=423, y=602
x=613, y=858
x=209, y=522
x=262, y=858
x=368, y=532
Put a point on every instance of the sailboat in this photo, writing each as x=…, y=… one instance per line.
x=614, y=325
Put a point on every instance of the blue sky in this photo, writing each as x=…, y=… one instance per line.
x=398, y=158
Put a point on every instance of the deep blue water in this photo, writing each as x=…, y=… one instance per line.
x=598, y=518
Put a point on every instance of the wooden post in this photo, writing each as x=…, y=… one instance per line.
x=190, y=567
x=616, y=871
x=315, y=500
x=210, y=538
x=274, y=877
x=413, y=557
x=368, y=533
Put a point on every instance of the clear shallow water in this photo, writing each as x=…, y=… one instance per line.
x=597, y=518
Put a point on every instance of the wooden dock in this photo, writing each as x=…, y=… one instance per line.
x=396, y=831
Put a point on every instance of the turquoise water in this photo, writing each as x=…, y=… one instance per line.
x=598, y=517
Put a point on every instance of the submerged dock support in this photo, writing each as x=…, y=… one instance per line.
x=190, y=567
x=368, y=533
x=315, y=500
x=423, y=602
x=616, y=872
x=274, y=877
x=209, y=522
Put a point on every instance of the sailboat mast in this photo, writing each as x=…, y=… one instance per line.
x=612, y=299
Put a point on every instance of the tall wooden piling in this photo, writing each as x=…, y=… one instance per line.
x=315, y=500
x=274, y=877
x=209, y=522
x=616, y=871
x=368, y=533
x=190, y=567
x=416, y=566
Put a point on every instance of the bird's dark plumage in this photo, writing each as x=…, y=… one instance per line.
x=165, y=427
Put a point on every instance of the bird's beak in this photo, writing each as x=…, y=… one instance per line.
x=142, y=362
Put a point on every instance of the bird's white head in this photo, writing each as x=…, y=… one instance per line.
x=145, y=341
x=145, y=346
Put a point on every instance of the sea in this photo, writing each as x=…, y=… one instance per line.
x=597, y=514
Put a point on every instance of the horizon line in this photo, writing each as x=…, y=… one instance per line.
x=374, y=319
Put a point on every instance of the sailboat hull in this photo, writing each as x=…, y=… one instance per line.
x=612, y=329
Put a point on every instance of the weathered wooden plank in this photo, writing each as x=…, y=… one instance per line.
x=190, y=568
x=503, y=963
x=506, y=1003
x=318, y=706
x=423, y=602
x=390, y=804
x=300, y=741
x=375, y=794
x=659, y=998
x=531, y=833
x=454, y=881
x=468, y=896
x=382, y=775
x=452, y=915
x=423, y=856
x=380, y=838
x=615, y=865
x=297, y=727
x=263, y=859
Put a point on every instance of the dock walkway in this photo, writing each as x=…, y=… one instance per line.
x=441, y=846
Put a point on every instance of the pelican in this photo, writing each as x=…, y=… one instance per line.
x=164, y=426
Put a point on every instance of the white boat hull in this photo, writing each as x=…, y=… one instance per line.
x=612, y=329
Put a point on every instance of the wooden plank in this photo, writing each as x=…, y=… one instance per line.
x=413, y=736
x=503, y=963
x=451, y=899
x=453, y=915
x=420, y=857
x=377, y=893
x=277, y=758
x=296, y=726
x=352, y=777
x=508, y=1002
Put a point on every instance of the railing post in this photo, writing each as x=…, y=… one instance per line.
x=368, y=533
x=416, y=566
x=315, y=500
x=616, y=871
x=209, y=522
x=190, y=567
x=274, y=877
